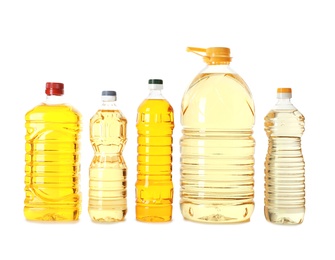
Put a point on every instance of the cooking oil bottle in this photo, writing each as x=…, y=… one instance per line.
x=284, y=165
x=154, y=187
x=108, y=170
x=52, y=161
x=217, y=146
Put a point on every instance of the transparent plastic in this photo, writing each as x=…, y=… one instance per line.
x=217, y=147
x=154, y=187
x=284, y=165
x=52, y=162
x=108, y=170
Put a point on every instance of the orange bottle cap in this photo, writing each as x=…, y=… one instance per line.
x=213, y=55
x=284, y=90
x=283, y=93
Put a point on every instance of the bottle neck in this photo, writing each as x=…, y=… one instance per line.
x=284, y=103
x=54, y=100
x=218, y=68
x=155, y=94
x=108, y=105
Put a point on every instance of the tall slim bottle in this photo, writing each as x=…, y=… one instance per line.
x=284, y=165
x=108, y=170
x=52, y=162
x=217, y=146
x=154, y=187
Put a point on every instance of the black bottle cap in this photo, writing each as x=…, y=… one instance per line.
x=155, y=81
x=108, y=93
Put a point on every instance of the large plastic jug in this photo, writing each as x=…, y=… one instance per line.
x=217, y=146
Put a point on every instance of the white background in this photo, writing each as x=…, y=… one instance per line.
x=119, y=45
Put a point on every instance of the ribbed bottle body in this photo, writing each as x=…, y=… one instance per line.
x=217, y=150
x=154, y=187
x=108, y=170
x=52, y=163
x=284, y=167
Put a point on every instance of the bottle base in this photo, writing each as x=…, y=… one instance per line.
x=219, y=214
x=51, y=214
x=154, y=213
x=107, y=216
x=285, y=216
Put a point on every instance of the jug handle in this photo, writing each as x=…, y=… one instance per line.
x=196, y=50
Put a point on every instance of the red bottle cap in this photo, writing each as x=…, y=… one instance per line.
x=54, y=88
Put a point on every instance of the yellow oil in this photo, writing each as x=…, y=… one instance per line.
x=284, y=167
x=52, y=163
x=217, y=150
x=108, y=170
x=154, y=187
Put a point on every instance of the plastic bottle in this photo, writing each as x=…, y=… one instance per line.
x=217, y=146
x=52, y=159
x=284, y=164
x=154, y=187
x=108, y=170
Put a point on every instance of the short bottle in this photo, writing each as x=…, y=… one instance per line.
x=284, y=201
x=108, y=170
x=217, y=144
x=154, y=187
x=52, y=162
